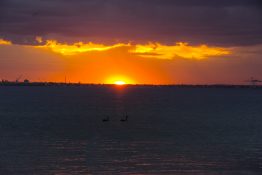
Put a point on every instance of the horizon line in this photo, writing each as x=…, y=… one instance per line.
x=112, y=84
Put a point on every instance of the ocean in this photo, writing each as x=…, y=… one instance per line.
x=59, y=130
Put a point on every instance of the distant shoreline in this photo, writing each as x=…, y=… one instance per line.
x=141, y=85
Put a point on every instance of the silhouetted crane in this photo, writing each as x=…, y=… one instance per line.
x=253, y=81
x=18, y=78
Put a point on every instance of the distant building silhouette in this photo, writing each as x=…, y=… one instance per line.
x=26, y=81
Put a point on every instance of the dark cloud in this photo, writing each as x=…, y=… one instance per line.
x=217, y=22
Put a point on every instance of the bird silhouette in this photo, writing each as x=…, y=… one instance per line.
x=107, y=119
x=125, y=119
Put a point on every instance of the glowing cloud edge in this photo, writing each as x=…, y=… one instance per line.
x=150, y=50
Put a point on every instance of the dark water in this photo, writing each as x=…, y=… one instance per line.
x=178, y=131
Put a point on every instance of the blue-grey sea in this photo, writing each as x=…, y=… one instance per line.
x=58, y=130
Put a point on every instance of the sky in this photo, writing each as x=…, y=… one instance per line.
x=138, y=41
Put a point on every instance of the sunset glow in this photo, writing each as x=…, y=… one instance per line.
x=119, y=80
x=119, y=83
x=182, y=50
x=5, y=42
x=77, y=48
x=151, y=50
x=89, y=62
x=120, y=63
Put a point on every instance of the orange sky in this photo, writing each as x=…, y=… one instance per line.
x=150, y=63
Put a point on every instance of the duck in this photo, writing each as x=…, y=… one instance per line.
x=125, y=119
x=107, y=119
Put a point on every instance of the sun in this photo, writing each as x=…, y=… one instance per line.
x=119, y=80
x=120, y=83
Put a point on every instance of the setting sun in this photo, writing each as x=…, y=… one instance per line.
x=119, y=80
x=119, y=83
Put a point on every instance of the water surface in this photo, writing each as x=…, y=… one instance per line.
x=171, y=130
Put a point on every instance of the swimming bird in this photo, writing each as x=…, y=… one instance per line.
x=106, y=119
x=124, y=120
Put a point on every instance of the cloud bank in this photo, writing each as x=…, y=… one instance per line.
x=151, y=50
x=213, y=22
